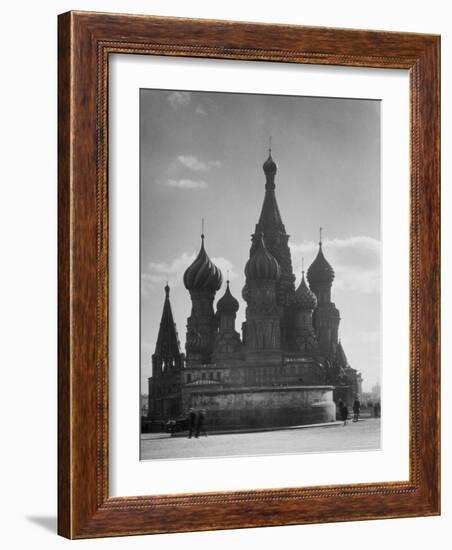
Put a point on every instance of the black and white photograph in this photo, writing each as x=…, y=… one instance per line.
x=260, y=274
x=225, y=233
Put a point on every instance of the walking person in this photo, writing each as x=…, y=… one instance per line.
x=356, y=409
x=191, y=420
x=201, y=423
x=344, y=411
x=377, y=409
x=171, y=427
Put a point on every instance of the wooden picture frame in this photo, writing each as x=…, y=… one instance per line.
x=85, y=42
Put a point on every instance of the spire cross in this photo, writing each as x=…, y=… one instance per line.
x=227, y=275
x=320, y=241
x=202, y=231
x=270, y=145
x=302, y=265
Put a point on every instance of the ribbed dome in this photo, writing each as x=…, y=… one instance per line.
x=269, y=166
x=262, y=265
x=304, y=298
x=320, y=271
x=203, y=274
x=227, y=303
x=245, y=292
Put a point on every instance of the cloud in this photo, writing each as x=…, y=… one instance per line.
x=193, y=163
x=190, y=161
x=177, y=173
x=200, y=110
x=158, y=273
x=185, y=183
x=178, y=99
x=174, y=266
x=356, y=261
x=225, y=266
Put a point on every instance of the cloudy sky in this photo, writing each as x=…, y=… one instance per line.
x=201, y=157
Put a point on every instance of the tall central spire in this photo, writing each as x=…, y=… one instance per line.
x=270, y=218
x=270, y=170
x=271, y=227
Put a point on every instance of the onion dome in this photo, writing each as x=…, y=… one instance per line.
x=227, y=303
x=202, y=274
x=262, y=265
x=246, y=292
x=304, y=298
x=320, y=271
x=269, y=166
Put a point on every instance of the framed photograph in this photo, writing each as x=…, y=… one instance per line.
x=248, y=275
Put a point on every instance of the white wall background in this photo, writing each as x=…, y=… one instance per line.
x=28, y=269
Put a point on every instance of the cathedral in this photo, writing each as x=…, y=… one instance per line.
x=287, y=366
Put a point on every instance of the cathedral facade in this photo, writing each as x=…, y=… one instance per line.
x=287, y=367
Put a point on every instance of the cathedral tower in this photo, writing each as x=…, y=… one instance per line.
x=275, y=237
x=202, y=279
x=326, y=315
x=304, y=303
x=276, y=240
x=227, y=340
x=263, y=331
x=167, y=364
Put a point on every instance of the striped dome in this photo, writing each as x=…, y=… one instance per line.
x=262, y=265
x=304, y=298
x=320, y=271
x=202, y=274
x=269, y=166
x=246, y=292
x=227, y=303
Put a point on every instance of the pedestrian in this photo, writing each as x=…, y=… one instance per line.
x=191, y=421
x=344, y=412
x=171, y=427
x=340, y=404
x=356, y=409
x=377, y=409
x=201, y=423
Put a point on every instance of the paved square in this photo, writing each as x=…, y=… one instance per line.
x=363, y=435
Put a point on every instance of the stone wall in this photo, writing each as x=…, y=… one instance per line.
x=263, y=407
